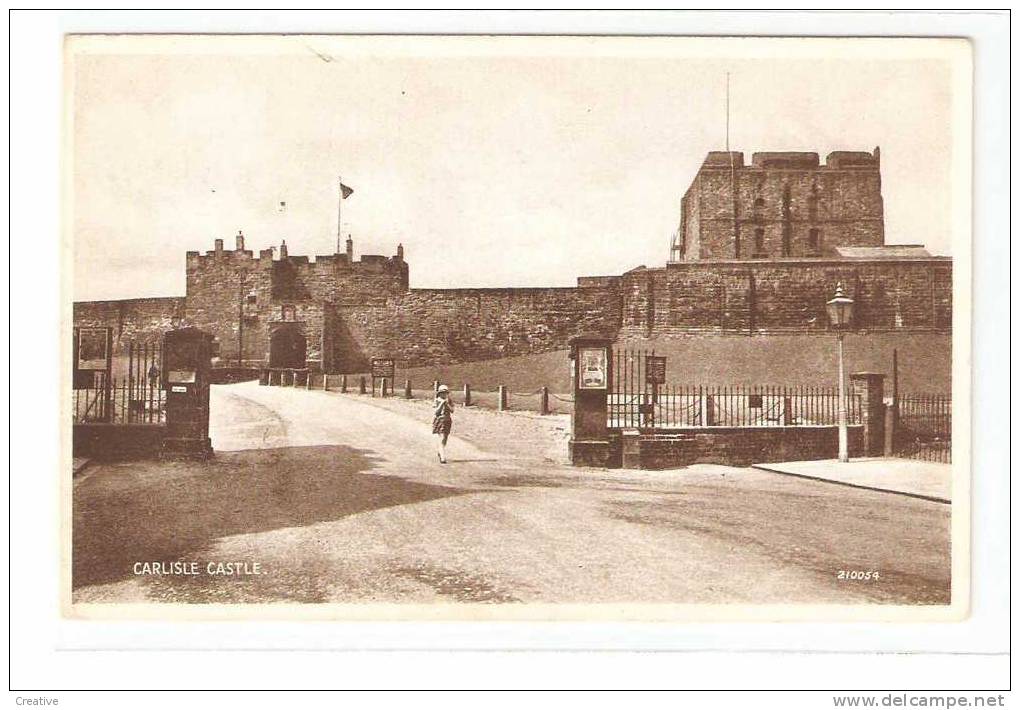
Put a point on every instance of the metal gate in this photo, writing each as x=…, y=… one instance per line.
x=128, y=392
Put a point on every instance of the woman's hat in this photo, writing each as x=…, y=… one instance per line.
x=443, y=388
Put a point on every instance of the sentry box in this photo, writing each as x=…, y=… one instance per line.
x=187, y=355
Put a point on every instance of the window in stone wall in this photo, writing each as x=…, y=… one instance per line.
x=759, y=208
x=252, y=299
x=814, y=239
x=288, y=313
x=759, y=241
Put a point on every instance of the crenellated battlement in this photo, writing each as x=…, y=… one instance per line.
x=370, y=263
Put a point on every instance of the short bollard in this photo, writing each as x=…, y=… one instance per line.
x=467, y=395
x=502, y=398
x=407, y=389
x=385, y=386
x=544, y=407
x=308, y=381
x=361, y=386
x=325, y=382
x=343, y=384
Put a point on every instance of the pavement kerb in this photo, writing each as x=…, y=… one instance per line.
x=934, y=499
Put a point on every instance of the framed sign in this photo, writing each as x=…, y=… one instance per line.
x=383, y=367
x=655, y=369
x=93, y=348
x=593, y=372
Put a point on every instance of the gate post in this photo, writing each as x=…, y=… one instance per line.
x=591, y=370
x=187, y=359
x=869, y=386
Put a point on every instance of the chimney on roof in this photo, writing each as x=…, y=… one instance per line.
x=218, y=246
x=400, y=252
x=283, y=250
x=239, y=240
x=350, y=249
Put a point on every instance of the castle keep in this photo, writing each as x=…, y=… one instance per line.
x=759, y=250
x=781, y=205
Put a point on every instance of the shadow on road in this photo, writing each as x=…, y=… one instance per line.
x=164, y=511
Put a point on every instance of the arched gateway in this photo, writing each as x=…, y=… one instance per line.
x=287, y=346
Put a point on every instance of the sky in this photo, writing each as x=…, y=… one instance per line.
x=494, y=161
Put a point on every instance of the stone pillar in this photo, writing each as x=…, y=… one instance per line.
x=502, y=398
x=544, y=404
x=591, y=371
x=868, y=385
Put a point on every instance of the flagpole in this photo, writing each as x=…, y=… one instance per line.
x=339, y=207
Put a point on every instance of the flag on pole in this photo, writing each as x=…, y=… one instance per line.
x=345, y=191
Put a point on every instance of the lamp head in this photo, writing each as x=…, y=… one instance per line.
x=840, y=308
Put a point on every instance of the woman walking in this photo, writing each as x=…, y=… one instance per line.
x=442, y=419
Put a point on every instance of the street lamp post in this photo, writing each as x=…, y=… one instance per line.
x=841, y=308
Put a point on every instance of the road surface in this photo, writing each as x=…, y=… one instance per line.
x=341, y=498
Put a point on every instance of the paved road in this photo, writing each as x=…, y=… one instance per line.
x=340, y=498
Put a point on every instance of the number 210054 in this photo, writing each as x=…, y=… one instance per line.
x=856, y=575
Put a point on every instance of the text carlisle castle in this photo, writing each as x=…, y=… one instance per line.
x=759, y=250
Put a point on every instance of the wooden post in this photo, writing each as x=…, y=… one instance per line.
x=502, y=398
x=361, y=387
x=544, y=406
x=308, y=380
x=343, y=384
x=407, y=389
x=325, y=381
x=467, y=395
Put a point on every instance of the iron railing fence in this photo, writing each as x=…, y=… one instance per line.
x=635, y=403
x=924, y=427
x=674, y=406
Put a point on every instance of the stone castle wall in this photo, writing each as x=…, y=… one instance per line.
x=133, y=320
x=280, y=290
x=786, y=296
x=365, y=317
x=425, y=326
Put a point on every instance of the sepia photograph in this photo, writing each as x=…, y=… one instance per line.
x=507, y=327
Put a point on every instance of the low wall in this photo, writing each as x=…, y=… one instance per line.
x=117, y=442
x=734, y=446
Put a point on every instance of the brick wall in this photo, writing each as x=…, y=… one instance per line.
x=736, y=446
